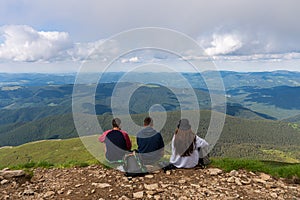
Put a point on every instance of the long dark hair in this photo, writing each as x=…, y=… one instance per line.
x=185, y=141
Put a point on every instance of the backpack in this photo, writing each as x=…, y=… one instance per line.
x=133, y=165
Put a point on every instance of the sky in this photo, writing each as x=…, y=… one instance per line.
x=60, y=35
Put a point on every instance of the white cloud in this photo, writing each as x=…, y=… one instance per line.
x=242, y=43
x=81, y=51
x=23, y=43
x=134, y=59
x=223, y=44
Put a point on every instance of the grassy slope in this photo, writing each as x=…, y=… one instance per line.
x=241, y=138
x=57, y=152
x=70, y=152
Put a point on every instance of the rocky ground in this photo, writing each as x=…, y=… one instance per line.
x=96, y=182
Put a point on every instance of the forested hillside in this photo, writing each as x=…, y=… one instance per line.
x=239, y=138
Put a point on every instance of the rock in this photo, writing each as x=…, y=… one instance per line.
x=49, y=194
x=233, y=173
x=6, y=174
x=60, y=191
x=214, y=171
x=151, y=186
x=252, y=173
x=78, y=185
x=149, y=176
x=237, y=181
x=195, y=185
x=182, y=181
x=28, y=192
x=264, y=176
x=4, y=181
x=273, y=195
x=138, y=195
x=230, y=180
x=182, y=198
x=246, y=182
x=257, y=180
x=6, y=197
x=123, y=198
x=69, y=192
x=151, y=192
x=168, y=172
x=101, y=185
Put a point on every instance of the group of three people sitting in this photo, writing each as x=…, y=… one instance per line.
x=186, y=144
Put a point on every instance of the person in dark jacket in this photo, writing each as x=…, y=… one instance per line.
x=117, y=142
x=150, y=143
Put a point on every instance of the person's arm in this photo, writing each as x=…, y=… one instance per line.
x=102, y=137
x=202, y=145
x=127, y=139
x=138, y=142
x=162, y=146
x=173, y=154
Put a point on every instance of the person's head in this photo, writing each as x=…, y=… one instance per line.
x=116, y=123
x=148, y=121
x=185, y=139
x=184, y=124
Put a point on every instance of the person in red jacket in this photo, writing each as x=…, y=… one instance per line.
x=117, y=142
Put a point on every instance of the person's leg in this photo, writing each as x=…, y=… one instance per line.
x=203, y=157
x=170, y=166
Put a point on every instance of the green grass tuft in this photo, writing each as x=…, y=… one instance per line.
x=276, y=169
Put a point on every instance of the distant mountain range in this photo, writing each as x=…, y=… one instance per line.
x=231, y=79
x=28, y=103
x=279, y=102
x=39, y=106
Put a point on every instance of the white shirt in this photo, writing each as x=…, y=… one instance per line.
x=188, y=161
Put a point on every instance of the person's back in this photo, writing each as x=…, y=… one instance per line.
x=186, y=145
x=115, y=145
x=150, y=143
x=117, y=142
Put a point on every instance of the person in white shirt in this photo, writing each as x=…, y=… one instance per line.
x=186, y=145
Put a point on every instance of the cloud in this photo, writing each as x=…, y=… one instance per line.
x=223, y=44
x=134, y=59
x=100, y=50
x=23, y=43
x=242, y=43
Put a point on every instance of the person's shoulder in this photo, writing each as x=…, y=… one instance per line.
x=140, y=132
x=158, y=133
x=124, y=132
x=106, y=132
x=103, y=136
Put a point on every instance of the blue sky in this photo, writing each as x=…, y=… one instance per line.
x=57, y=35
